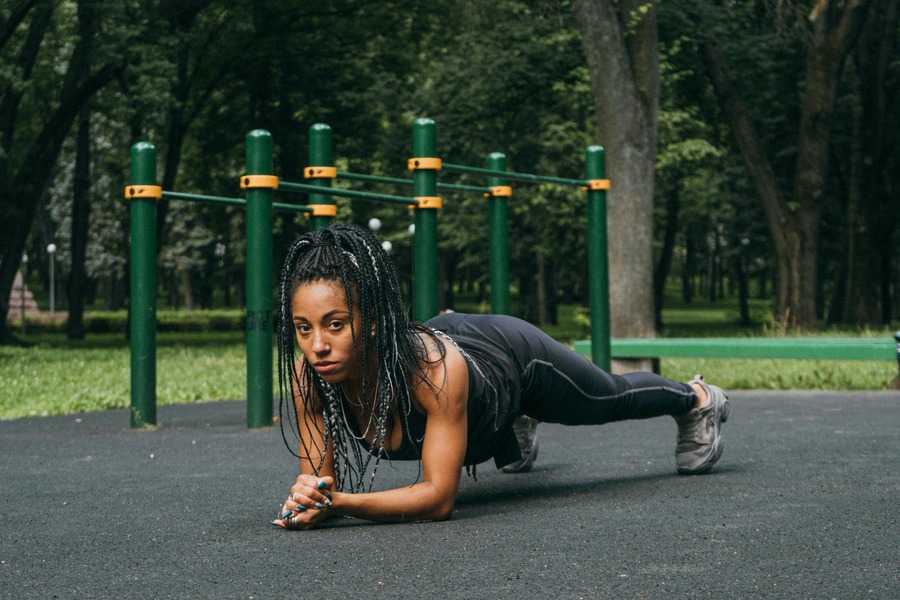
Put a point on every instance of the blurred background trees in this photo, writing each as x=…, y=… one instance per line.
x=767, y=165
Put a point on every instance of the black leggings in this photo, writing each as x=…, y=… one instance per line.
x=559, y=385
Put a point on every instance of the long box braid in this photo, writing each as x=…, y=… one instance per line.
x=352, y=257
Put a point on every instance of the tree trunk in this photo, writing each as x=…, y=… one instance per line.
x=665, y=256
x=188, y=288
x=620, y=44
x=81, y=209
x=795, y=228
x=740, y=275
x=552, y=293
x=712, y=267
x=540, y=287
x=687, y=270
x=869, y=218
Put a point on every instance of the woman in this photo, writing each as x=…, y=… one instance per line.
x=455, y=392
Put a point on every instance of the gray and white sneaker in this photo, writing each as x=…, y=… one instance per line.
x=700, y=441
x=525, y=429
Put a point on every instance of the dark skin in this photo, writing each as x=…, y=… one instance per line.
x=323, y=326
x=323, y=329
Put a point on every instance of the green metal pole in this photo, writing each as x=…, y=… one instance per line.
x=598, y=262
x=425, y=185
x=143, y=289
x=260, y=302
x=499, y=239
x=320, y=155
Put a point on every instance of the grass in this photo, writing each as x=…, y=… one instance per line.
x=766, y=374
x=51, y=378
x=56, y=376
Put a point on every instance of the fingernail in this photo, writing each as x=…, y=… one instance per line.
x=300, y=508
x=327, y=495
x=328, y=503
x=286, y=514
x=321, y=485
x=274, y=524
x=319, y=505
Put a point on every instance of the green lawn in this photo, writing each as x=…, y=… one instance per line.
x=57, y=377
x=53, y=378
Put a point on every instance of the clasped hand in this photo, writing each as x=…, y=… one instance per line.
x=308, y=503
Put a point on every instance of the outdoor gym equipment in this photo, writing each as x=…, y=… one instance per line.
x=260, y=184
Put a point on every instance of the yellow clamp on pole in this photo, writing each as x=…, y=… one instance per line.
x=259, y=181
x=153, y=192
x=323, y=210
x=413, y=164
x=596, y=184
x=434, y=202
x=499, y=191
x=320, y=172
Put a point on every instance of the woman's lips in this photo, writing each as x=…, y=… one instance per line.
x=325, y=366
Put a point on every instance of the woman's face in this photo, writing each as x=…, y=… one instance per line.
x=322, y=326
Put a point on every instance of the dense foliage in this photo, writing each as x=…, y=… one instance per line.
x=194, y=76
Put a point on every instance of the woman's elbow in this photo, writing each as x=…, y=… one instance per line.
x=443, y=514
x=443, y=511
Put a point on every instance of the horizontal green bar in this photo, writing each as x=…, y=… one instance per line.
x=292, y=207
x=511, y=175
x=463, y=188
x=231, y=201
x=409, y=182
x=792, y=348
x=374, y=178
x=326, y=191
x=206, y=199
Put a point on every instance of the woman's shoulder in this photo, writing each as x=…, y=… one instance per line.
x=443, y=365
x=438, y=347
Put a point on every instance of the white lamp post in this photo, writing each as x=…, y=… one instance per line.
x=51, y=250
x=22, y=290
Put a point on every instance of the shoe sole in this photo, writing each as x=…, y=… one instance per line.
x=723, y=408
x=524, y=465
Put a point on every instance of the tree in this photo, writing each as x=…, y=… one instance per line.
x=81, y=187
x=620, y=42
x=870, y=217
x=521, y=90
x=793, y=214
x=33, y=132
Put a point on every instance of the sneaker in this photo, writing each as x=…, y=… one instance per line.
x=700, y=442
x=525, y=429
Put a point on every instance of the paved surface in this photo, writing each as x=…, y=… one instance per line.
x=804, y=504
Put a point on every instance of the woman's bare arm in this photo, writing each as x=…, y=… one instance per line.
x=443, y=451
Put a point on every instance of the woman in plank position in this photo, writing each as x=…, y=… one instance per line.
x=454, y=392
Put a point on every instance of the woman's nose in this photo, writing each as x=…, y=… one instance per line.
x=320, y=343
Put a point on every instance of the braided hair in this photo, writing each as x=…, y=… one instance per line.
x=351, y=257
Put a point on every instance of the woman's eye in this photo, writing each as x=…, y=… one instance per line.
x=336, y=324
x=303, y=329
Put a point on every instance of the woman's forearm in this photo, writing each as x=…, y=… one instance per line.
x=419, y=502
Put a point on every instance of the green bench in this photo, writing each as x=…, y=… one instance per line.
x=794, y=348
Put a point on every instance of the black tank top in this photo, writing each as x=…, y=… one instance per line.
x=491, y=408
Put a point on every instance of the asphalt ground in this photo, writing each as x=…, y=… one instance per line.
x=804, y=504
